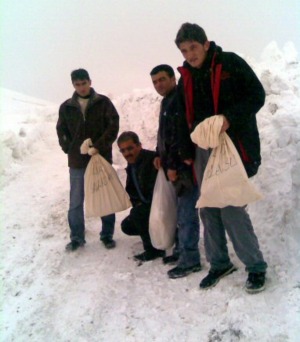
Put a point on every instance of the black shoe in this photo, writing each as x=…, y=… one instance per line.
x=213, y=278
x=109, y=243
x=73, y=245
x=171, y=259
x=179, y=272
x=255, y=282
x=150, y=255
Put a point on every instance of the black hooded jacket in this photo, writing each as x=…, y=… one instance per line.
x=167, y=136
x=238, y=96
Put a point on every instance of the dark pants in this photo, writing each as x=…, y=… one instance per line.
x=137, y=223
x=188, y=228
x=233, y=220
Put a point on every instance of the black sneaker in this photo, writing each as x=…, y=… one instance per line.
x=213, y=277
x=109, y=243
x=255, y=282
x=179, y=272
x=170, y=259
x=150, y=255
x=73, y=245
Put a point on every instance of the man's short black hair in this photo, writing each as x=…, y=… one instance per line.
x=128, y=135
x=190, y=32
x=163, y=67
x=80, y=74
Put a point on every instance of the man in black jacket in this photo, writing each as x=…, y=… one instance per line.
x=186, y=250
x=86, y=115
x=141, y=177
x=214, y=82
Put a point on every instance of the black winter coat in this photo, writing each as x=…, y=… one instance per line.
x=240, y=98
x=146, y=176
x=167, y=136
x=100, y=123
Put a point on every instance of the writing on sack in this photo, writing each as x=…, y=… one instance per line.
x=102, y=180
x=226, y=162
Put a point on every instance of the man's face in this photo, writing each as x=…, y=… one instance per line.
x=130, y=150
x=194, y=53
x=163, y=83
x=82, y=87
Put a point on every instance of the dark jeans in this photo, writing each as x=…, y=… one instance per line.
x=137, y=223
x=76, y=211
x=188, y=228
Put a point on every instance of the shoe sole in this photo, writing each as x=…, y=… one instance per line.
x=171, y=262
x=254, y=291
x=231, y=270
x=143, y=260
x=109, y=246
x=185, y=274
x=70, y=249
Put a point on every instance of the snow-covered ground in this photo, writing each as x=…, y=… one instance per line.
x=96, y=294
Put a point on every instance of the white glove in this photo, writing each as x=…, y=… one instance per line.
x=85, y=146
x=92, y=151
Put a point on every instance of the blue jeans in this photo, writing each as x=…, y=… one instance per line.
x=188, y=228
x=76, y=212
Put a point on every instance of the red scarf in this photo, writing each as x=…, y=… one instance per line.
x=216, y=70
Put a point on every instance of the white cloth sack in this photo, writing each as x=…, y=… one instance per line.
x=225, y=180
x=104, y=193
x=163, y=214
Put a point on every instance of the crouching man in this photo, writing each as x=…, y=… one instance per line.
x=141, y=176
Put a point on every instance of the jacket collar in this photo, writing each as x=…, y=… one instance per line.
x=171, y=93
x=138, y=160
x=73, y=101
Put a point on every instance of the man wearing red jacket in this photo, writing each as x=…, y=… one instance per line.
x=86, y=115
x=214, y=82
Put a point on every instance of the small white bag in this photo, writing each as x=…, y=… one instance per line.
x=104, y=193
x=163, y=214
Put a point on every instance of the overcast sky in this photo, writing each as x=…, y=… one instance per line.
x=120, y=41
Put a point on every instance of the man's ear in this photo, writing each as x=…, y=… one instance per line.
x=206, y=45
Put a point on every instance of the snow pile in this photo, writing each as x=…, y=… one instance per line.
x=99, y=295
x=24, y=127
x=278, y=216
x=139, y=112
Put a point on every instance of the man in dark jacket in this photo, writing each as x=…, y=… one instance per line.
x=186, y=250
x=214, y=82
x=141, y=177
x=86, y=115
